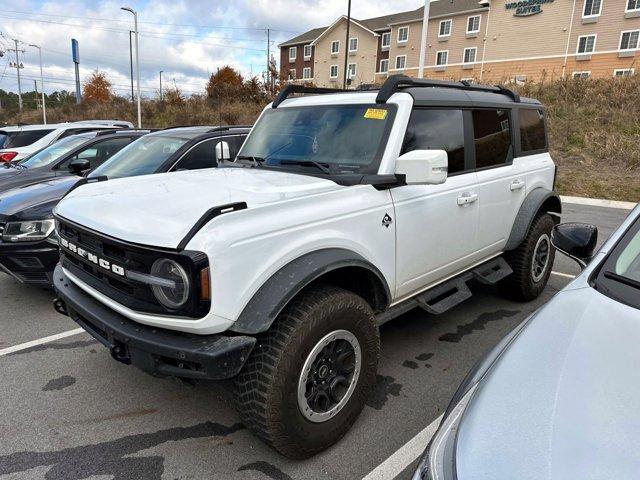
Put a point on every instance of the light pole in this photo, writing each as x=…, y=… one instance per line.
x=423, y=40
x=161, y=85
x=44, y=107
x=135, y=28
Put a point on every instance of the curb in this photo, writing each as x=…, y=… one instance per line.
x=596, y=202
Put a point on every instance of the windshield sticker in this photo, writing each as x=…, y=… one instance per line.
x=375, y=113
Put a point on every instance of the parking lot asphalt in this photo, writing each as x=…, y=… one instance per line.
x=70, y=412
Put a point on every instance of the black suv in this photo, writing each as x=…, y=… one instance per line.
x=28, y=243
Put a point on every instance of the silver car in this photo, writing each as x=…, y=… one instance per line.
x=558, y=398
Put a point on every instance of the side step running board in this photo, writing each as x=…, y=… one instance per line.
x=447, y=295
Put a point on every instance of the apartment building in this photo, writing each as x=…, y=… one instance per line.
x=486, y=40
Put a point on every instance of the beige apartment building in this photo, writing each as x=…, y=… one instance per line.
x=486, y=40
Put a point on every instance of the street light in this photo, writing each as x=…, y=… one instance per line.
x=44, y=107
x=135, y=27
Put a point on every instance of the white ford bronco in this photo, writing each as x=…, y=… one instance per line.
x=342, y=211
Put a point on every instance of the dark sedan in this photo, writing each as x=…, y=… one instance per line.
x=28, y=244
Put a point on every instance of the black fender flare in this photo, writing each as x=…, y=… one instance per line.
x=267, y=303
x=538, y=199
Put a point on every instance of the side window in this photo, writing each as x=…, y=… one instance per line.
x=235, y=143
x=202, y=155
x=492, y=137
x=437, y=130
x=98, y=153
x=532, y=135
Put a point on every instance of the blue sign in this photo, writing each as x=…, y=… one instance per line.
x=75, y=50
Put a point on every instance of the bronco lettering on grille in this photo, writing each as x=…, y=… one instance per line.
x=91, y=257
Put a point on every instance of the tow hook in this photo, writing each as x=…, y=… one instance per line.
x=119, y=352
x=60, y=307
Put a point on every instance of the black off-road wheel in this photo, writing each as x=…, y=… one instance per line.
x=532, y=261
x=309, y=376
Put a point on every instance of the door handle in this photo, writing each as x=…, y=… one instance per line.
x=467, y=198
x=517, y=185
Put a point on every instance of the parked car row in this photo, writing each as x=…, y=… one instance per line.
x=335, y=213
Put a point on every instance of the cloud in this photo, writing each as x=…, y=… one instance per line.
x=186, y=39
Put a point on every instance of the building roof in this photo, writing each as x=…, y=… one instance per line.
x=438, y=8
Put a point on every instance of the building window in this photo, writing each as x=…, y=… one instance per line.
x=306, y=73
x=632, y=6
x=581, y=75
x=307, y=51
x=403, y=34
x=292, y=74
x=445, y=28
x=586, y=43
x=333, y=71
x=386, y=39
x=592, y=8
x=629, y=40
x=335, y=46
x=442, y=57
x=470, y=55
x=384, y=65
x=293, y=53
x=351, y=70
x=492, y=137
x=401, y=61
x=623, y=72
x=353, y=44
x=473, y=24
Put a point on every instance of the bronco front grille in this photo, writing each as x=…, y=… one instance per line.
x=131, y=257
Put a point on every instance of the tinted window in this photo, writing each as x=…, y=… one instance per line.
x=142, y=157
x=532, y=130
x=202, y=155
x=3, y=137
x=492, y=135
x=100, y=152
x=22, y=139
x=437, y=130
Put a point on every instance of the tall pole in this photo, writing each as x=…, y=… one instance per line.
x=133, y=97
x=566, y=50
x=160, y=85
x=44, y=106
x=486, y=36
x=18, y=70
x=346, y=47
x=423, y=40
x=135, y=28
x=268, y=59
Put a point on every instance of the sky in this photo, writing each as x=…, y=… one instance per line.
x=187, y=40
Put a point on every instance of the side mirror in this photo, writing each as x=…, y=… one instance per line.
x=222, y=151
x=423, y=167
x=576, y=240
x=79, y=165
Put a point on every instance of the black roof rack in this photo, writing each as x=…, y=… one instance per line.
x=290, y=88
x=395, y=82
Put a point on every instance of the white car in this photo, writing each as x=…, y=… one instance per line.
x=342, y=211
x=18, y=142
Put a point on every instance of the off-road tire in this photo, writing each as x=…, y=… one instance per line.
x=266, y=388
x=521, y=285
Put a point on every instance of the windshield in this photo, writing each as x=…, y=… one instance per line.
x=53, y=152
x=348, y=138
x=619, y=276
x=142, y=157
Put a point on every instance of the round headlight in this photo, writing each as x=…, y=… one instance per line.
x=175, y=296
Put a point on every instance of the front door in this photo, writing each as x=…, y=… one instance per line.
x=436, y=225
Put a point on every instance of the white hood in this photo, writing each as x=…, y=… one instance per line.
x=159, y=210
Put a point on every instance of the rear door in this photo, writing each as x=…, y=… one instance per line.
x=436, y=225
x=501, y=182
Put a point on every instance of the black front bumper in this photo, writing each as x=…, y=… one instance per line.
x=157, y=351
x=29, y=262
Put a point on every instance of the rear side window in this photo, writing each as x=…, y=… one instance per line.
x=532, y=135
x=492, y=137
x=437, y=130
x=23, y=139
x=3, y=138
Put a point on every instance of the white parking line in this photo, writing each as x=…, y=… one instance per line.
x=404, y=456
x=560, y=274
x=40, y=341
x=597, y=202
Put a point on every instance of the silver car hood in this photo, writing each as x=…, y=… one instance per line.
x=564, y=400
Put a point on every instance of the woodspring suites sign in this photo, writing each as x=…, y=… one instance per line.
x=526, y=8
